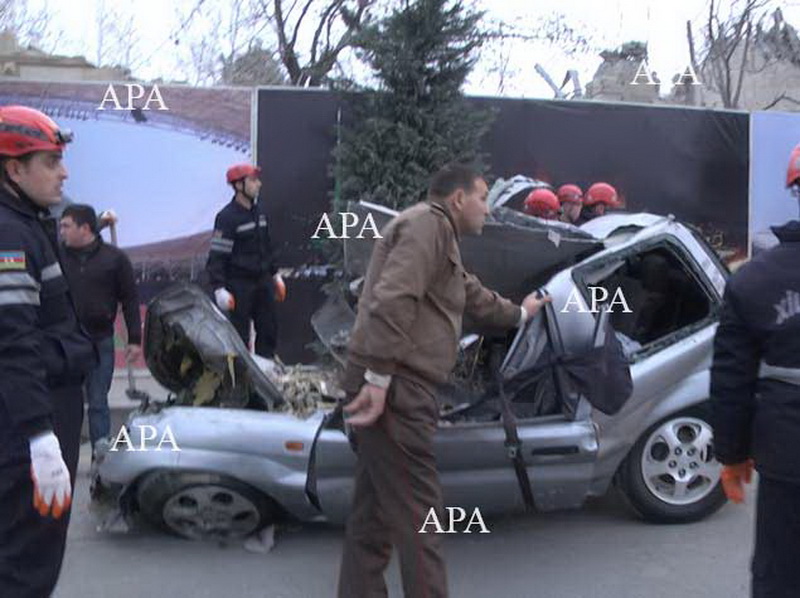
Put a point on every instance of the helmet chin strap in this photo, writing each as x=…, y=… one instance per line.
x=252, y=198
x=794, y=189
x=21, y=193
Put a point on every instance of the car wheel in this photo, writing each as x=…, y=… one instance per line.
x=203, y=506
x=671, y=475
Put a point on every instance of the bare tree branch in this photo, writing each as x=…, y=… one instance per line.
x=735, y=100
x=31, y=27
x=327, y=14
x=291, y=8
x=329, y=29
x=727, y=51
x=287, y=53
x=782, y=96
x=302, y=16
x=323, y=38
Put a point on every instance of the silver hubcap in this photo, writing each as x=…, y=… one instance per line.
x=210, y=512
x=678, y=464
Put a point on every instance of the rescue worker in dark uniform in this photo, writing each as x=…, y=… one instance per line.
x=599, y=198
x=241, y=267
x=755, y=396
x=402, y=347
x=542, y=203
x=571, y=198
x=44, y=357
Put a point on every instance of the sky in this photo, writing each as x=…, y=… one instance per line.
x=661, y=23
x=610, y=23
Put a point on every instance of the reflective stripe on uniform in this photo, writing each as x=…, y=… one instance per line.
x=19, y=297
x=52, y=271
x=774, y=372
x=221, y=245
x=18, y=279
x=244, y=227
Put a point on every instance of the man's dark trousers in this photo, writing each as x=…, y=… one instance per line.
x=776, y=561
x=32, y=546
x=98, y=383
x=255, y=300
x=396, y=485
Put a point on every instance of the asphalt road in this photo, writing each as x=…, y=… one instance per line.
x=600, y=551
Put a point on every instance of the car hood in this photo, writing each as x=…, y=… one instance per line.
x=191, y=348
x=194, y=351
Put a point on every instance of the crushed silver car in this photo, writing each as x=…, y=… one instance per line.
x=257, y=444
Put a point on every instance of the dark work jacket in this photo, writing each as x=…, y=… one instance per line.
x=756, y=413
x=583, y=218
x=42, y=344
x=101, y=277
x=241, y=247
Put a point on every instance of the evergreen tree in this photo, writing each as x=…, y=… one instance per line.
x=417, y=118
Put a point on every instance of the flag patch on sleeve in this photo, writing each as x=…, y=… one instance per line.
x=12, y=260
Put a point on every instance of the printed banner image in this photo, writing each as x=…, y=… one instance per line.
x=160, y=167
x=691, y=164
x=775, y=134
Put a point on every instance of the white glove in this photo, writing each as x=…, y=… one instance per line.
x=107, y=217
x=52, y=490
x=225, y=300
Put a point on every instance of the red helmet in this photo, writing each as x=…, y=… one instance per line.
x=540, y=201
x=570, y=193
x=793, y=172
x=24, y=130
x=239, y=171
x=602, y=193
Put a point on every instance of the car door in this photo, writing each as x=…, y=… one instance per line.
x=559, y=449
x=668, y=331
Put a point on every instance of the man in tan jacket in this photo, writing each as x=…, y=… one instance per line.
x=402, y=347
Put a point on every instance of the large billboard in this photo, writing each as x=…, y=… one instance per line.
x=161, y=169
x=687, y=162
x=665, y=160
x=774, y=136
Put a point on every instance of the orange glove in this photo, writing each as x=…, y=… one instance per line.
x=280, y=288
x=734, y=477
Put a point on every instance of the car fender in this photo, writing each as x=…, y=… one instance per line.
x=251, y=446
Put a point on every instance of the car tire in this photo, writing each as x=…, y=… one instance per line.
x=203, y=505
x=670, y=475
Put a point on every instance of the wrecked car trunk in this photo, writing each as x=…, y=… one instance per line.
x=193, y=350
x=515, y=253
